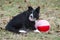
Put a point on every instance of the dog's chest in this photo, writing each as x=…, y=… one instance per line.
x=30, y=24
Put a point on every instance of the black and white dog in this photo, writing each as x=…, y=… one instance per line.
x=24, y=21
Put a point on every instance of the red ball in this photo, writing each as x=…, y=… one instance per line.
x=43, y=28
x=42, y=25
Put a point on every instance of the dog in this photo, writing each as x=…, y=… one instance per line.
x=24, y=21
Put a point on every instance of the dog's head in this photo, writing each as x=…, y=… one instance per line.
x=34, y=13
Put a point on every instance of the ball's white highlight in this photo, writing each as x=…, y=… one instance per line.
x=41, y=23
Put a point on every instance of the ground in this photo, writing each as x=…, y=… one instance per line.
x=50, y=10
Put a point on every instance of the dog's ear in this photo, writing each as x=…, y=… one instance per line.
x=37, y=9
x=30, y=8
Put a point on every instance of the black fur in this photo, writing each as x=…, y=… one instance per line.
x=21, y=21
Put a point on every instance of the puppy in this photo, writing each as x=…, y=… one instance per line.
x=24, y=21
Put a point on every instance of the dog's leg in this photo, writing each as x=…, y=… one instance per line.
x=23, y=29
x=37, y=31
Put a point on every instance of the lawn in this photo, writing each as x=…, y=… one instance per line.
x=50, y=10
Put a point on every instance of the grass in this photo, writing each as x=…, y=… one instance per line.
x=50, y=10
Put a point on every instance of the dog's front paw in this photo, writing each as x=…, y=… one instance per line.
x=36, y=31
x=22, y=31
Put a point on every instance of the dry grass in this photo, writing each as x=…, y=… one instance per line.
x=50, y=10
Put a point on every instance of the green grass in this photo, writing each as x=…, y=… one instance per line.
x=50, y=10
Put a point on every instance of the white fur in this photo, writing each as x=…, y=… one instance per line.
x=37, y=31
x=31, y=18
x=22, y=31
